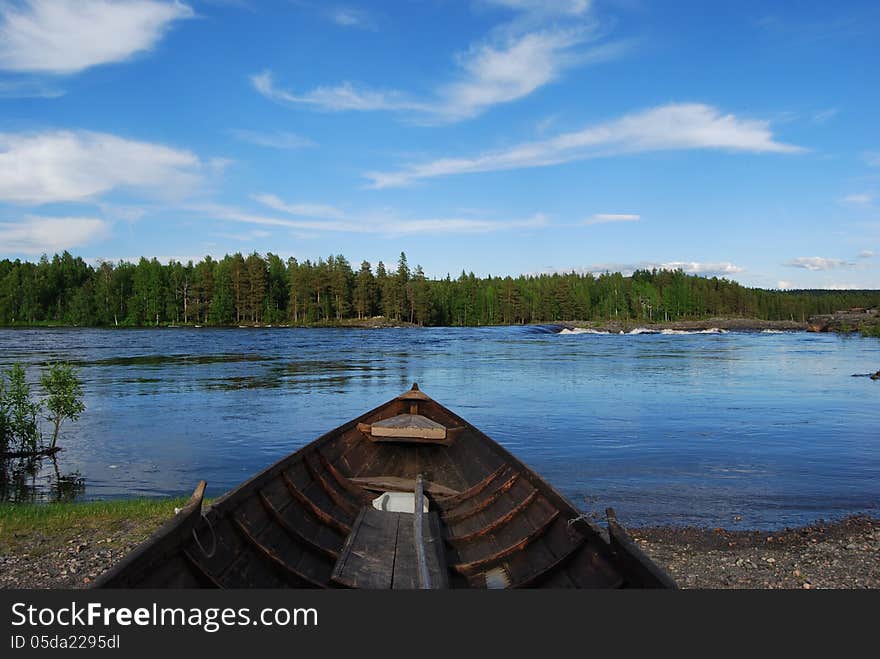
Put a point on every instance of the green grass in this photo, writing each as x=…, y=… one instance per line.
x=53, y=524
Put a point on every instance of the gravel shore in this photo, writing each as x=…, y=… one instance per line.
x=844, y=554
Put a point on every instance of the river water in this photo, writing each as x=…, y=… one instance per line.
x=738, y=429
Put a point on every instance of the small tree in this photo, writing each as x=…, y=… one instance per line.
x=21, y=411
x=65, y=393
x=4, y=418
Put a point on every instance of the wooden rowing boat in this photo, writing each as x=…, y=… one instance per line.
x=409, y=495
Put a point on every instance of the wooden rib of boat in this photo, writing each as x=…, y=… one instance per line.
x=409, y=495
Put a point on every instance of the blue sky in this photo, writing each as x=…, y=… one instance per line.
x=498, y=136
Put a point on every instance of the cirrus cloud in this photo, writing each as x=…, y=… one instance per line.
x=669, y=127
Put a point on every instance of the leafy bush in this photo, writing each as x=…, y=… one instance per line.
x=19, y=411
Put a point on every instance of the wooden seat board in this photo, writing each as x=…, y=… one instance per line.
x=380, y=552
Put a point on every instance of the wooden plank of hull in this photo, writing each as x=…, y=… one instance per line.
x=474, y=490
x=482, y=505
x=352, y=488
x=312, y=508
x=293, y=533
x=331, y=491
x=275, y=560
x=492, y=526
x=201, y=571
x=472, y=566
x=400, y=484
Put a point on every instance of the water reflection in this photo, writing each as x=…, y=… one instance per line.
x=27, y=480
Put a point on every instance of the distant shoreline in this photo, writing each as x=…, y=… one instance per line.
x=381, y=323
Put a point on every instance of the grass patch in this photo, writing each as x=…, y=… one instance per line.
x=45, y=528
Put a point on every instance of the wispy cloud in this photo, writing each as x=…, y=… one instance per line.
x=277, y=140
x=822, y=116
x=60, y=166
x=303, y=210
x=817, y=263
x=36, y=235
x=860, y=199
x=872, y=158
x=866, y=254
x=519, y=56
x=384, y=223
x=669, y=127
x=353, y=17
x=340, y=97
x=28, y=88
x=67, y=36
x=605, y=218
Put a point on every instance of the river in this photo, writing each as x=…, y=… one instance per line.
x=738, y=429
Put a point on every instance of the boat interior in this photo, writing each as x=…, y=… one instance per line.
x=407, y=496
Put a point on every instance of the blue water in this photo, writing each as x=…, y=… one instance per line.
x=741, y=430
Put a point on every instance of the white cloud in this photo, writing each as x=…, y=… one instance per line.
x=277, y=140
x=341, y=97
x=305, y=210
x=861, y=199
x=705, y=269
x=816, y=263
x=866, y=254
x=67, y=36
x=385, y=223
x=516, y=58
x=708, y=269
x=604, y=218
x=36, y=235
x=61, y=166
x=782, y=285
x=669, y=127
x=872, y=158
x=351, y=17
x=546, y=7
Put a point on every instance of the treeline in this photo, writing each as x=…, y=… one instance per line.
x=256, y=289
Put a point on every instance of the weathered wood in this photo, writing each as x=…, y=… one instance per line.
x=474, y=490
x=283, y=526
x=201, y=571
x=275, y=560
x=344, y=481
x=312, y=508
x=492, y=526
x=471, y=566
x=454, y=518
x=413, y=426
x=399, y=484
x=331, y=491
x=645, y=573
x=367, y=559
x=293, y=533
x=424, y=580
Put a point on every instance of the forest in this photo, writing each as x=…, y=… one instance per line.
x=269, y=290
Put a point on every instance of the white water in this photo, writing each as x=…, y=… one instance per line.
x=642, y=330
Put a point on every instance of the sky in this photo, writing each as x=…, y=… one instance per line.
x=737, y=139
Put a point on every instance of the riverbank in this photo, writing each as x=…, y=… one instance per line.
x=69, y=545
